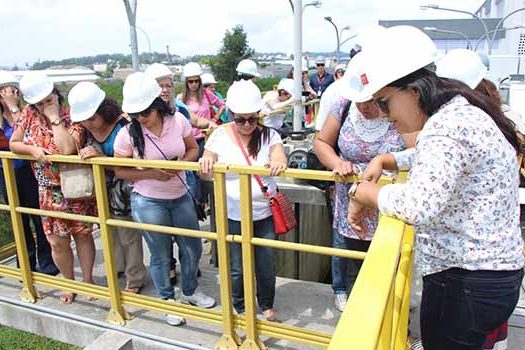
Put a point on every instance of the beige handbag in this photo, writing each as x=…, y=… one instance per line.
x=76, y=180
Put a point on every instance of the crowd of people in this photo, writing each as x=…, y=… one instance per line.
x=441, y=119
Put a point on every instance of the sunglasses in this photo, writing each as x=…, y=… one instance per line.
x=320, y=64
x=145, y=113
x=241, y=121
x=193, y=81
x=381, y=103
x=282, y=92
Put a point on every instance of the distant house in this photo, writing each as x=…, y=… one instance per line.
x=61, y=74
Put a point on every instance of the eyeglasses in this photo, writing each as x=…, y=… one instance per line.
x=193, y=81
x=320, y=64
x=166, y=87
x=282, y=92
x=241, y=121
x=145, y=113
x=381, y=103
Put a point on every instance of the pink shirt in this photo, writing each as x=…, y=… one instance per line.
x=202, y=109
x=171, y=142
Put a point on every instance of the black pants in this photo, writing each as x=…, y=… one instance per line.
x=28, y=197
x=459, y=308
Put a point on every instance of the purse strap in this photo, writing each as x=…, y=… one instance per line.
x=166, y=158
x=239, y=143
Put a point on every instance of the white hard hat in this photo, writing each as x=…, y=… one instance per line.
x=400, y=51
x=243, y=97
x=191, y=69
x=463, y=65
x=84, y=100
x=158, y=70
x=139, y=91
x=340, y=66
x=286, y=85
x=207, y=78
x=351, y=85
x=248, y=67
x=320, y=60
x=35, y=87
x=7, y=79
x=368, y=34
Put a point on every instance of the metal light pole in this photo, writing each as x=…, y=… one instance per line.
x=434, y=29
x=131, y=11
x=493, y=31
x=329, y=19
x=349, y=38
x=147, y=38
x=298, y=54
x=437, y=7
x=499, y=25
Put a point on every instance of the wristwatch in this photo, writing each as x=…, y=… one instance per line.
x=56, y=121
x=353, y=190
x=14, y=110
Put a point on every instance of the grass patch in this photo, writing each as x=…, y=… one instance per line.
x=6, y=232
x=14, y=339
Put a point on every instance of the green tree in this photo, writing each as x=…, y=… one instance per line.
x=234, y=49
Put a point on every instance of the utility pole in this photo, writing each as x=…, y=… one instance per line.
x=131, y=11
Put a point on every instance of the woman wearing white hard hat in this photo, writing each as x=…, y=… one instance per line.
x=247, y=70
x=339, y=71
x=209, y=83
x=461, y=195
x=43, y=129
x=276, y=100
x=352, y=135
x=264, y=148
x=10, y=111
x=161, y=196
x=102, y=118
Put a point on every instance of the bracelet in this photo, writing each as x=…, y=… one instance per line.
x=57, y=122
x=353, y=189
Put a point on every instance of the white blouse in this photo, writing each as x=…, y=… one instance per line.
x=462, y=193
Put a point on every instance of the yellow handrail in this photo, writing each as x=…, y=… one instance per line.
x=377, y=312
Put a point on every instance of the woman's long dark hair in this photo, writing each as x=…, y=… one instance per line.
x=109, y=110
x=260, y=134
x=435, y=92
x=135, y=130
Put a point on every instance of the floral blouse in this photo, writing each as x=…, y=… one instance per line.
x=462, y=193
x=360, y=140
x=37, y=132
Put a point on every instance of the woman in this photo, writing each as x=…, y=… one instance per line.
x=264, y=147
x=461, y=195
x=339, y=71
x=278, y=100
x=209, y=83
x=200, y=101
x=102, y=119
x=352, y=135
x=161, y=196
x=10, y=111
x=43, y=129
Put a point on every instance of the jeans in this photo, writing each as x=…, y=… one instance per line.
x=264, y=266
x=28, y=197
x=344, y=271
x=459, y=308
x=178, y=212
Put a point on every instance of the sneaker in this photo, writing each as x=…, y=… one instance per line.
x=415, y=343
x=340, y=300
x=198, y=299
x=173, y=320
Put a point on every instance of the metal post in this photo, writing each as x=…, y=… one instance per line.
x=499, y=25
x=329, y=19
x=131, y=11
x=29, y=292
x=297, y=77
x=149, y=42
x=433, y=29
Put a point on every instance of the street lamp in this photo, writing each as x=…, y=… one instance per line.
x=493, y=31
x=434, y=29
x=315, y=3
x=349, y=38
x=147, y=38
x=499, y=25
x=437, y=7
x=329, y=19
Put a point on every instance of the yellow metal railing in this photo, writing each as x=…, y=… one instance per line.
x=378, y=303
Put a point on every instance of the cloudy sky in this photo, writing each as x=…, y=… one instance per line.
x=35, y=30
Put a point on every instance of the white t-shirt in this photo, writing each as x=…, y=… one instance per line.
x=331, y=95
x=228, y=152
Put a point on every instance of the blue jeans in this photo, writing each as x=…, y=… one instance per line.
x=459, y=308
x=344, y=271
x=264, y=266
x=178, y=212
x=28, y=197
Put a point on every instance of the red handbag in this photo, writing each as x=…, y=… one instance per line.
x=283, y=212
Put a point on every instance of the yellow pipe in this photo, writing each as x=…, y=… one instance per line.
x=7, y=250
x=4, y=207
x=58, y=215
x=10, y=272
x=87, y=289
